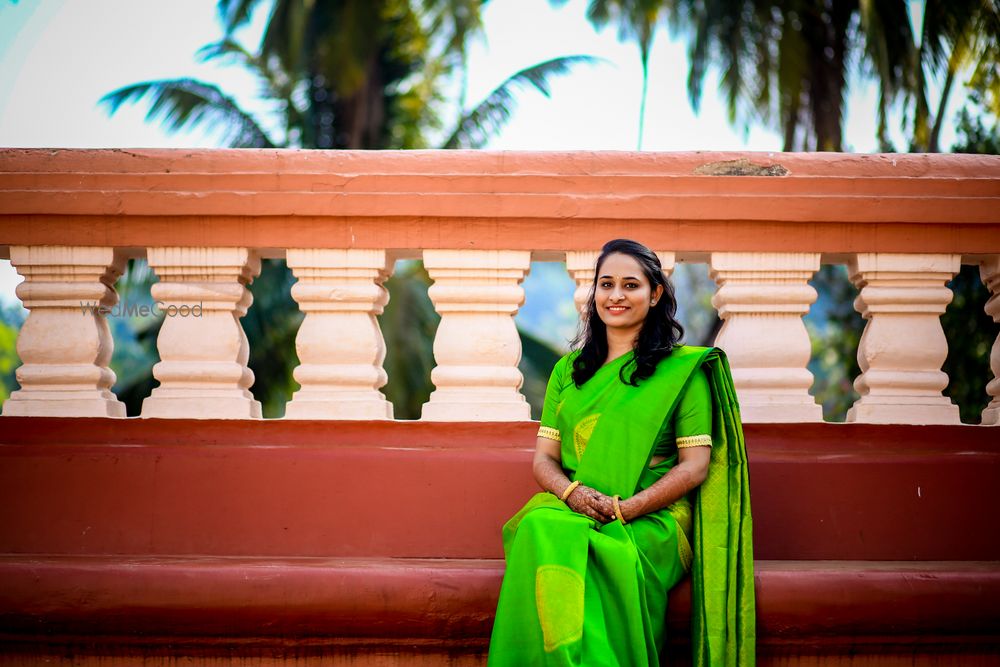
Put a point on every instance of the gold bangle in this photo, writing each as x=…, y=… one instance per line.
x=569, y=490
x=618, y=509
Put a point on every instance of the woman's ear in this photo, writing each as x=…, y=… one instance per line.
x=657, y=293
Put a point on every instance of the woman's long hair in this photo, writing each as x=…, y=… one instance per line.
x=659, y=334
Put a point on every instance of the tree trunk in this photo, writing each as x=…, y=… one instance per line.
x=826, y=31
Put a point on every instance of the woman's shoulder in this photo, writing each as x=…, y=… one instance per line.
x=567, y=359
x=681, y=350
x=565, y=362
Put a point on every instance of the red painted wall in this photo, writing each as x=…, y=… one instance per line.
x=442, y=490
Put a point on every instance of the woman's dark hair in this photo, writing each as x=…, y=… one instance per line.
x=660, y=332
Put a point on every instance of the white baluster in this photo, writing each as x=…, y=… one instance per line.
x=989, y=270
x=580, y=266
x=340, y=345
x=761, y=300
x=66, y=343
x=203, y=349
x=903, y=345
x=477, y=348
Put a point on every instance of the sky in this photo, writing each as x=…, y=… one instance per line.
x=58, y=57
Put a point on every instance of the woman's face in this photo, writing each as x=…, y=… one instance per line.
x=623, y=294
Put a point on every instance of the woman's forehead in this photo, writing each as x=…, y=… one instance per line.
x=618, y=265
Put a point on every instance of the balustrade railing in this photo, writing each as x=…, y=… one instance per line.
x=69, y=220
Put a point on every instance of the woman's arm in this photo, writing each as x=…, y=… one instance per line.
x=547, y=466
x=690, y=471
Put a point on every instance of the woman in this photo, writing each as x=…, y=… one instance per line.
x=632, y=425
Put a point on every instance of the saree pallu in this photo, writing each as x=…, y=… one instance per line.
x=578, y=592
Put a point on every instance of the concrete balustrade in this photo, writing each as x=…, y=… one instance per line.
x=65, y=344
x=477, y=348
x=761, y=300
x=69, y=219
x=203, y=369
x=903, y=345
x=339, y=344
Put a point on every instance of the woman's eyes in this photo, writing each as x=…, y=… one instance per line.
x=608, y=285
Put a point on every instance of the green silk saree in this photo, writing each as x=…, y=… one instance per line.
x=578, y=592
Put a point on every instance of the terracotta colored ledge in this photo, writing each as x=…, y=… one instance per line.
x=545, y=202
x=428, y=598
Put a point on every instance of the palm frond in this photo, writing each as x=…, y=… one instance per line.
x=476, y=127
x=225, y=47
x=277, y=84
x=187, y=103
x=698, y=60
x=235, y=13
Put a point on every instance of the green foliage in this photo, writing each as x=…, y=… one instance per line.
x=786, y=63
x=835, y=329
x=975, y=135
x=9, y=361
x=537, y=361
x=345, y=74
x=271, y=323
x=971, y=333
x=408, y=324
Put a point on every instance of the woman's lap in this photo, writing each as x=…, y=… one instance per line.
x=603, y=584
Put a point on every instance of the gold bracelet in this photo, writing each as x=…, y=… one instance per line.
x=569, y=490
x=618, y=509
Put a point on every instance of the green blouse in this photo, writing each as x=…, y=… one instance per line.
x=569, y=418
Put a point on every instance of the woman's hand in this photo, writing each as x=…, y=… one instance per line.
x=549, y=474
x=591, y=502
x=690, y=471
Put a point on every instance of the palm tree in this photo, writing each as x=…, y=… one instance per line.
x=955, y=36
x=337, y=88
x=786, y=62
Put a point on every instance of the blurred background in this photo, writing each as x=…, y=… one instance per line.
x=658, y=75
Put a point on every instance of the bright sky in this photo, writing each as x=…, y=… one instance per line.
x=58, y=57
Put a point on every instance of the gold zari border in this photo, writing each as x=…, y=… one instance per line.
x=694, y=441
x=550, y=433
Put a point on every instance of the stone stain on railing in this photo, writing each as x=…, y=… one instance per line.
x=740, y=167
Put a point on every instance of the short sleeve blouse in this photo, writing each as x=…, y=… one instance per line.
x=690, y=425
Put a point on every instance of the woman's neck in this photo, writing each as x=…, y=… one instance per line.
x=620, y=342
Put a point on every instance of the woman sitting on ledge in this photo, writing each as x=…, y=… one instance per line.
x=641, y=456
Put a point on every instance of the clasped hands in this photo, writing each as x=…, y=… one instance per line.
x=591, y=502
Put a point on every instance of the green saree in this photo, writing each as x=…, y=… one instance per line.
x=578, y=592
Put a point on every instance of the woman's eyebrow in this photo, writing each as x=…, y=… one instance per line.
x=625, y=278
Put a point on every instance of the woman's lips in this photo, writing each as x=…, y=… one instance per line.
x=616, y=310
